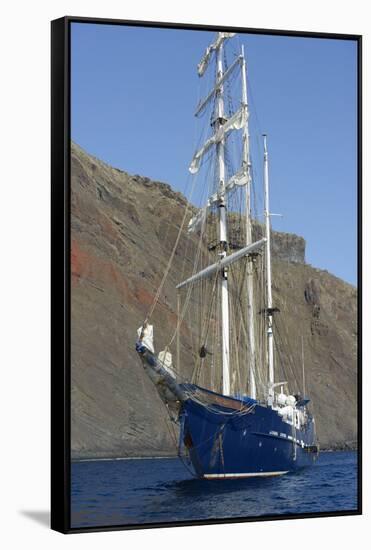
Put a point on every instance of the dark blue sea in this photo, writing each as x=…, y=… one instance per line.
x=138, y=491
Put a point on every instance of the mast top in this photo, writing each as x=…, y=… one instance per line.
x=221, y=37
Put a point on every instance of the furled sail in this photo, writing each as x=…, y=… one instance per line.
x=240, y=179
x=218, y=84
x=237, y=180
x=237, y=121
x=203, y=64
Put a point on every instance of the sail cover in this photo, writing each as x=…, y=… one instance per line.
x=237, y=121
x=145, y=336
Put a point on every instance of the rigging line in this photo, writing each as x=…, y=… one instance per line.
x=283, y=373
x=292, y=353
x=198, y=252
x=286, y=340
x=186, y=192
x=189, y=291
x=199, y=364
x=258, y=332
x=243, y=308
x=240, y=306
x=203, y=231
x=199, y=367
x=159, y=290
x=190, y=239
x=213, y=293
x=262, y=349
x=216, y=357
x=256, y=172
x=237, y=302
x=280, y=346
x=253, y=104
x=289, y=363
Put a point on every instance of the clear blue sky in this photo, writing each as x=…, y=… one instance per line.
x=134, y=91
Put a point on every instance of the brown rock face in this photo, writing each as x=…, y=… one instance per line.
x=123, y=229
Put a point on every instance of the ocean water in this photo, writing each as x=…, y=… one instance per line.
x=140, y=491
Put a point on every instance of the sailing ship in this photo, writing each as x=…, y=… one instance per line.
x=235, y=418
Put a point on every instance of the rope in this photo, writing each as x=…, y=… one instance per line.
x=159, y=290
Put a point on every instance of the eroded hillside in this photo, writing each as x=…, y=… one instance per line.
x=122, y=231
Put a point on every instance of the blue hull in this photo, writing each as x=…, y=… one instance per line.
x=227, y=437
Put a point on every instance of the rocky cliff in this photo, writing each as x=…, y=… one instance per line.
x=122, y=230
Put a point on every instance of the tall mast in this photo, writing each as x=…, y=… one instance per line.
x=246, y=164
x=219, y=121
x=222, y=127
x=269, y=310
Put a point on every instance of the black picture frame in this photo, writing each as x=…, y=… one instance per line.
x=61, y=269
